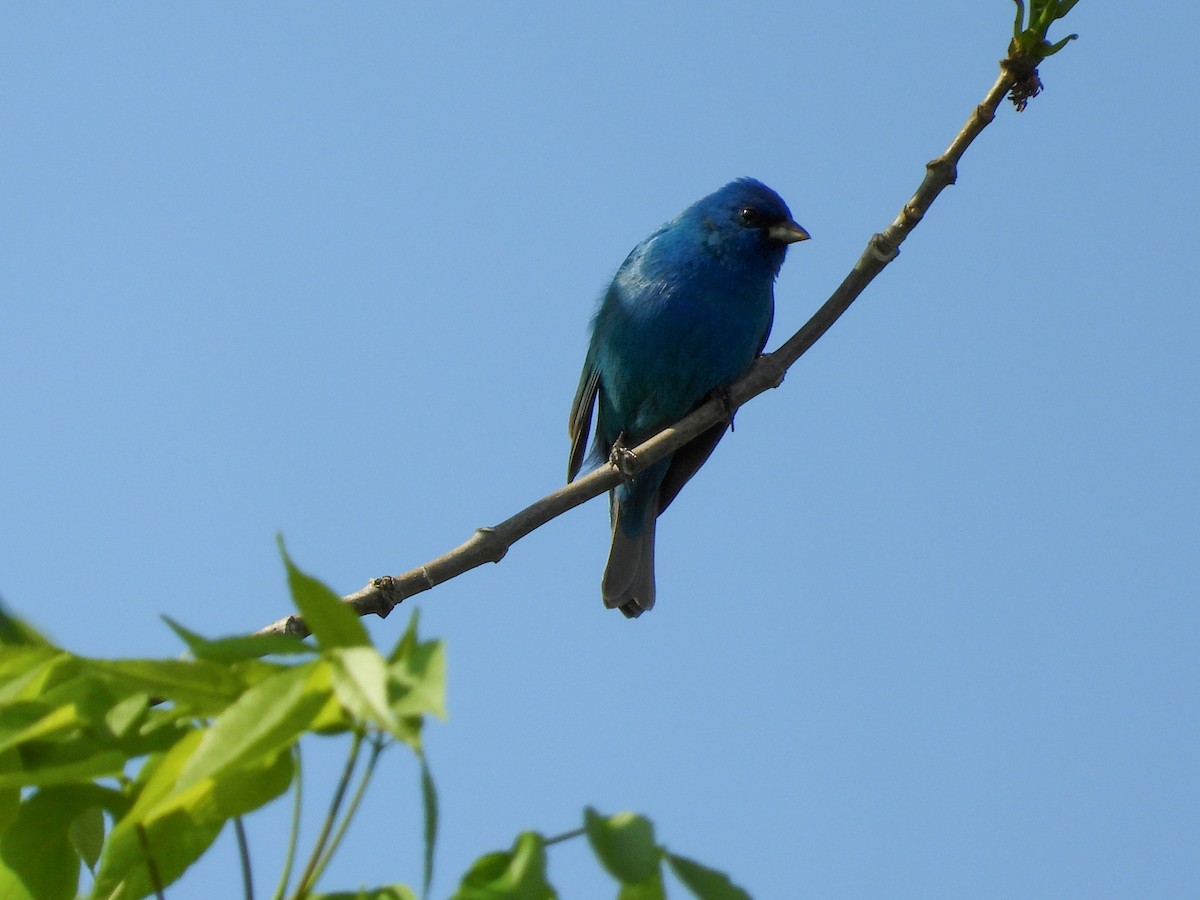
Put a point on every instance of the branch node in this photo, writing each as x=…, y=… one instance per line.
x=944, y=168
x=494, y=548
x=882, y=250
x=385, y=588
x=1022, y=69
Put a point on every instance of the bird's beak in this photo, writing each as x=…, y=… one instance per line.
x=787, y=232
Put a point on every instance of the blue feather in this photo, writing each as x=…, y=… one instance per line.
x=686, y=314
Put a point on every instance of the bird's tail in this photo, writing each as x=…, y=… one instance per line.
x=628, y=582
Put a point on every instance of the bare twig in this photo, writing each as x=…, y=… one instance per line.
x=490, y=544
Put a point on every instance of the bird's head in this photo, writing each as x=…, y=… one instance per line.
x=746, y=222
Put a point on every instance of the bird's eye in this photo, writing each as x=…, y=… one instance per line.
x=751, y=217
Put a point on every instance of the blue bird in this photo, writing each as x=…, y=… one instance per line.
x=685, y=315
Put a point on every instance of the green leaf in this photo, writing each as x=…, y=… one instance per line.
x=519, y=874
x=49, y=768
x=125, y=715
x=37, y=860
x=1030, y=37
x=705, y=883
x=206, y=687
x=58, y=744
x=19, y=725
x=332, y=718
x=14, y=632
x=391, y=892
x=159, y=777
x=360, y=680
x=10, y=797
x=267, y=718
x=409, y=640
x=127, y=869
x=331, y=621
x=624, y=844
x=87, y=835
x=70, y=736
x=418, y=669
x=91, y=700
x=430, y=802
x=171, y=825
x=76, y=716
x=646, y=890
x=27, y=672
x=239, y=647
x=1054, y=48
x=1064, y=7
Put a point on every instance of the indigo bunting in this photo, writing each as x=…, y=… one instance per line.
x=685, y=315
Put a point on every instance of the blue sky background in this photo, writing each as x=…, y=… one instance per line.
x=927, y=623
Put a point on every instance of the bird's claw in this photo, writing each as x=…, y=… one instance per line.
x=722, y=396
x=622, y=458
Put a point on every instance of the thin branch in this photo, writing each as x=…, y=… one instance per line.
x=490, y=544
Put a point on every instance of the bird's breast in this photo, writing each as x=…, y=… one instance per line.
x=673, y=339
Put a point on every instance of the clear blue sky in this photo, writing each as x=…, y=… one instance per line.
x=927, y=623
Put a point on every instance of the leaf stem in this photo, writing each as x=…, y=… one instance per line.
x=565, y=836
x=377, y=745
x=294, y=836
x=151, y=866
x=308, y=877
x=244, y=857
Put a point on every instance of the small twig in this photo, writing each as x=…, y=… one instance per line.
x=382, y=595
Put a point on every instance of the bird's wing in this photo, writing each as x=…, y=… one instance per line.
x=581, y=416
x=692, y=455
x=686, y=460
x=762, y=344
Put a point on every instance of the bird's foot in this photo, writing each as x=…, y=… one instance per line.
x=722, y=396
x=622, y=458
